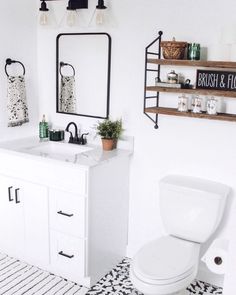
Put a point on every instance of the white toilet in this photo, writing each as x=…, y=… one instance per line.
x=191, y=210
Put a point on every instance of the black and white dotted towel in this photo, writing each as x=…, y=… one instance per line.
x=16, y=101
x=67, y=95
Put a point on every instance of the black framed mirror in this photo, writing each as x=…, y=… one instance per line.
x=83, y=65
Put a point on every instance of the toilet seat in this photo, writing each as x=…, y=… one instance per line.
x=166, y=261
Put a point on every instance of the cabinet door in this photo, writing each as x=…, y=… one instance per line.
x=11, y=218
x=36, y=223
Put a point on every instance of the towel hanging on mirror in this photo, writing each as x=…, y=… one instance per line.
x=16, y=101
x=67, y=95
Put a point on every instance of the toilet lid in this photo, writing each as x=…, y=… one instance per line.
x=165, y=259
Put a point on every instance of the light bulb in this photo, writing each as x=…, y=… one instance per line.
x=71, y=17
x=100, y=16
x=43, y=18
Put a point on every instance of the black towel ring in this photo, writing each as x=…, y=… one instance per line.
x=62, y=64
x=9, y=61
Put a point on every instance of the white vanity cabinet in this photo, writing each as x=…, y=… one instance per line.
x=11, y=218
x=68, y=234
x=24, y=220
x=70, y=219
x=89, y=223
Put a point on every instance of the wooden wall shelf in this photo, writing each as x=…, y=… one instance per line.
x=154, y=98
x=222, y=93
x=193, y=63
x=175, y=112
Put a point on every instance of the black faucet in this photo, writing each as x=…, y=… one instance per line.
x=72, y=139
x=76, y=139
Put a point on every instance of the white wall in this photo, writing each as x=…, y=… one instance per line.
x=194, y=147
x=19, y=42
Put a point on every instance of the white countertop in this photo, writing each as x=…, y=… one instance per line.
x=90, y=158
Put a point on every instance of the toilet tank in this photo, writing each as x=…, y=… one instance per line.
x=191, y=208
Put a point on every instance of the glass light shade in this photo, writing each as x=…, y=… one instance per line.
x=100, y=18
x=44, y=18
x=71, y=18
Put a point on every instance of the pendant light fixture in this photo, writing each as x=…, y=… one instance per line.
x=71, y=14
x=100, y=12
x=43, y=16
x=99, y=16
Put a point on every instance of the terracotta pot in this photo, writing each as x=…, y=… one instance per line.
x=107, y=144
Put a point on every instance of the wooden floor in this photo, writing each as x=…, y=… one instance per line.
x=19, y=278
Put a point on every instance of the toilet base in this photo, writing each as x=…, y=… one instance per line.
x=170, y=289
x=183, y=292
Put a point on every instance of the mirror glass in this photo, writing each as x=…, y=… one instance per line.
x=83, y=74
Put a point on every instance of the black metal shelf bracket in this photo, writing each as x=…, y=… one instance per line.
x=157, y=41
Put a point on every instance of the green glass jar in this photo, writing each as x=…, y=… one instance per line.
x=194, y=51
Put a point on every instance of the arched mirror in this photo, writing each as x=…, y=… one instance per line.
x=83, y=74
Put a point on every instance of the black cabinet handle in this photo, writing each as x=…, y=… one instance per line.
x=65, y=214
x=9, y=194
x=66, y=255
x=16, y=195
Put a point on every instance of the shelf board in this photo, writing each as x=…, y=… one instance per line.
x=175, y=112
x=222, y=93
x=193, y=63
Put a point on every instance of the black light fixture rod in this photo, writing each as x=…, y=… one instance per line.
x=101, y=5
x=72, y=4
x=70, y=7
x=77, y=4
x=43, y=6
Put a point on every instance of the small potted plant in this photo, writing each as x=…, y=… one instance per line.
x=110, y=132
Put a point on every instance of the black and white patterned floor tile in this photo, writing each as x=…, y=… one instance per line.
x=19, y=278
x=117, y=282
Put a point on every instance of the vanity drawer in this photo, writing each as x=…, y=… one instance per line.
x=67, y=255
x=67, y=213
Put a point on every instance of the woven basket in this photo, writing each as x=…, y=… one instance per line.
x=173, y=49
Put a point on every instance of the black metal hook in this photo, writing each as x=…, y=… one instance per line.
x=62, y=64
x=9, y=61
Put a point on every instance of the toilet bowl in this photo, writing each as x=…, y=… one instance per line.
x=165, y=266
x=191, y=210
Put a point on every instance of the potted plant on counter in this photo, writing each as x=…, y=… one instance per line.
x=110, y=132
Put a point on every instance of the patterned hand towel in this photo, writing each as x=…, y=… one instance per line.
x=17, y=105
x=67, y=95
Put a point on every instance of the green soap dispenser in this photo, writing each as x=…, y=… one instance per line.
x=43, y=128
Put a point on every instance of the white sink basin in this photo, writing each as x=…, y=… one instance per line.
x=56, y=150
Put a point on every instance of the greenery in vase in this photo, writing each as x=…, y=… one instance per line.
x=109, y=129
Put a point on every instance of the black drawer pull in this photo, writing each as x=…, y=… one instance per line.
x=9, y=194
x=16, y=195
x=66, y=255
x=65, y=214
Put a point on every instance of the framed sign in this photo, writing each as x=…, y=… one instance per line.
x=218, y=80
